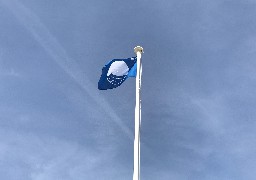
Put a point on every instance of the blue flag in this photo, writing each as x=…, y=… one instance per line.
x=116, y=72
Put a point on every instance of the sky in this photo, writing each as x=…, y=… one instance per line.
x=198, y=89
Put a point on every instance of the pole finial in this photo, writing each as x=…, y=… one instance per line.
x=138, y=49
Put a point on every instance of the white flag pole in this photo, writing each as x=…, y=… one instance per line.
x=136, y=171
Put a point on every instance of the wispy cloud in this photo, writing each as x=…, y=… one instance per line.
x=10, y=72
x=40, y=158
x=51, y=45
x=7, y=71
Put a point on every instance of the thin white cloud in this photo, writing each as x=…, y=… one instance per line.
x=40, y=158
x=10, y=72
x=7, y=72
x=51, y=45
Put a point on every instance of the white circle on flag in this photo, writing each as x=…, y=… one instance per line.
x=118, y=68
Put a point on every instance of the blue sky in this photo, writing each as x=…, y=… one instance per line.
x=198, y=89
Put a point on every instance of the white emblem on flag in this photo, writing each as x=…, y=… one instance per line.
x=118, y=68
x=117, y=72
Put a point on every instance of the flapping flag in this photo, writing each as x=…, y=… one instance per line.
x=116, y=72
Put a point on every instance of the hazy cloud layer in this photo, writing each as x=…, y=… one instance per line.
x=198, y=89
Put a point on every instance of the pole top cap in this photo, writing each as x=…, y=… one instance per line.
x=138, y=49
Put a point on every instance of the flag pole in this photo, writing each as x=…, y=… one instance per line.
x=136, y=166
